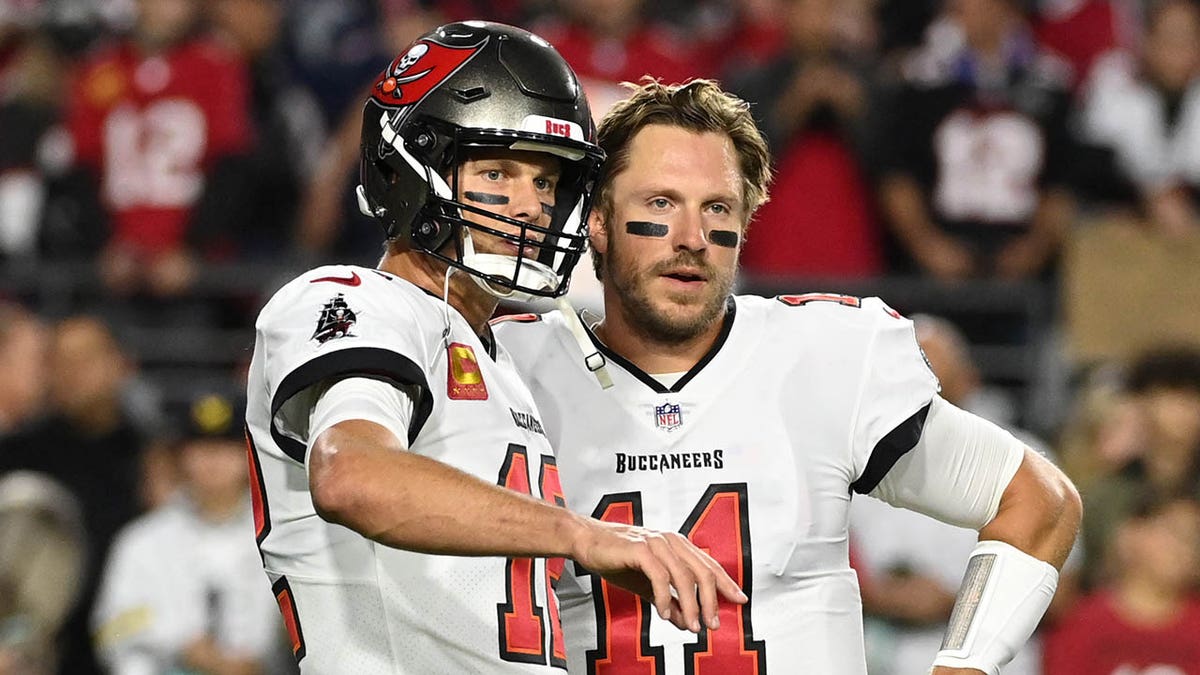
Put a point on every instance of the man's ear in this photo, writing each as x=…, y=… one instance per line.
x=598, y=232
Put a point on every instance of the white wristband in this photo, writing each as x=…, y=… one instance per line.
x=1004, y=594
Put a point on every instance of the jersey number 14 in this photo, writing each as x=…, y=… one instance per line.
x=720, y=525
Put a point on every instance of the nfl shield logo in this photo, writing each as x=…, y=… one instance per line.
x=667, y=416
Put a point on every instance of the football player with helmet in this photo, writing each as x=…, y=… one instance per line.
x=748, y=423
x=407, y=500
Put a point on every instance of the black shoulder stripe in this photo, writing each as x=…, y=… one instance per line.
x=890, y=449
x=365, y=361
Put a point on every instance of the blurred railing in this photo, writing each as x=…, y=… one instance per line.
x=180, y=357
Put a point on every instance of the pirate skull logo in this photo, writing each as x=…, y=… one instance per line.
x=411, y=58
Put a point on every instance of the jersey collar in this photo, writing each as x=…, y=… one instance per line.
x=646, y=378
x=488, y=338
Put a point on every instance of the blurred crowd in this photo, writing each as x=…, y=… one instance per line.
x=946, y=141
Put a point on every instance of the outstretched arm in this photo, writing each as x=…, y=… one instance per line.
x=361, y=476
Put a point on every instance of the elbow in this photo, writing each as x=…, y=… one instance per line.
x=1070, y=505
x=1061, y=517
x=1040, y=511
x=330, y=481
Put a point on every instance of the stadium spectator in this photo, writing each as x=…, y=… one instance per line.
x=1103, y=430
x=329, y=220
x=1082, y=32
x=811, y=104
x=1166, y=387
x=183, y=588
x=44, y=211
x=87, y=443
x=335, y=47
x=41, y=562
x=154, y=117
x=1146, y=111
x=23, y=362
x=975, y=183
x=28, y=110
x=289, y=131
x=903, y=25
x=741, y=35
x=611, y=41
x=1147, y=617
x=47, y=211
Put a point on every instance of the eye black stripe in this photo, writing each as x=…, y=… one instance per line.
x=485, y=198
x=643, y=228
x=726, y=238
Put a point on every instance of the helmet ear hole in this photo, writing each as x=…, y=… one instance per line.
x=430, y=234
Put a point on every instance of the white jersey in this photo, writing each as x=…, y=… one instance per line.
x=753, y=454
x=354, y=605
x=173, y=578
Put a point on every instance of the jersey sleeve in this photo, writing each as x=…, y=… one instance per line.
x=958, y=470
x=320, y=329
x=894, y=396
x=360, y=398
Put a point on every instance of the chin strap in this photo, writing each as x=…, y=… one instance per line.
x=446, y=307
x=592, y=358
x=532, y=274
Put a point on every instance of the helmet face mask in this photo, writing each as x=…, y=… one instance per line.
x=469, y=87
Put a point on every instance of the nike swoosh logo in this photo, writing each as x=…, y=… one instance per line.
x=351, y=280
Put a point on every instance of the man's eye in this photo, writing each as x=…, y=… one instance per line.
x=719, y=208
x=543, y=184
x=660, y=203
x=493, y=174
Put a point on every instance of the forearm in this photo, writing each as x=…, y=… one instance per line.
x=1005, y=591
x=362, y=478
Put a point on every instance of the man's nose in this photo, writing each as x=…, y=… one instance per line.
x=526, y=203
x=688, y=232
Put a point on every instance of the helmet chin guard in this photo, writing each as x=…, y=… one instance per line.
x=478, y=86
x=503, y=275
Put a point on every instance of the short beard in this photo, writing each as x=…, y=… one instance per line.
x=655, y=325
